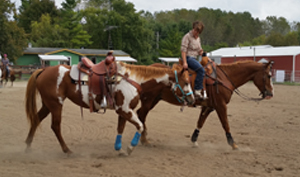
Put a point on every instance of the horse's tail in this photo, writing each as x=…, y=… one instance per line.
x=30, y=99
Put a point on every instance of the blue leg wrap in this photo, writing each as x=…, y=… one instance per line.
x=135, y=139
x=118, y=143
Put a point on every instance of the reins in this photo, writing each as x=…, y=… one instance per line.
x=238, y=92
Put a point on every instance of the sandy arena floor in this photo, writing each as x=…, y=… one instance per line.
x=268, y=134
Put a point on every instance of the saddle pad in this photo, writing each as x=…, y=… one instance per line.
x=74, y=73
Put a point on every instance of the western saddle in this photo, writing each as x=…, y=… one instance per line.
x=210, y=72
x=100, y=78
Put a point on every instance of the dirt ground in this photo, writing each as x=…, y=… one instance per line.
x=267, y=133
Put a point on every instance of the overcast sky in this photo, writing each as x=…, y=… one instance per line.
x=288, y=9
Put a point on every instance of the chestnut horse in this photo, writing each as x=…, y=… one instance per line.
x=5, y=76
x=229, y=78
x=54, y=85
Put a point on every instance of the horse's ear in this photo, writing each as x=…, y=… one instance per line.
x=182, y=69
x=270, y=63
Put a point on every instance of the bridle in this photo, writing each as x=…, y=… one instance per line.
x=239, y=93
x=184, y=95
x=264, y=93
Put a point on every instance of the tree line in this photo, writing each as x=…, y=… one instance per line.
x=115, y=24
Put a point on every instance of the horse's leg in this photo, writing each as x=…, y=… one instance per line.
x=43, y=112
x=132, y=118
x=56, y=112
x=202, y=118
x=118, y=143
x=222, y=114
x=5, y=82
x=55, y=108
x=139, y=125
x=147, y=104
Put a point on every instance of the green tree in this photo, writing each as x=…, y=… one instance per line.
x=12, y=38
x=129, y=31
x=277, y=25
x=170, y=46
x=70, y=20
x=45, y=34
x=291, y=39
x=275, y=39
x=32, y=10
x=95, y=18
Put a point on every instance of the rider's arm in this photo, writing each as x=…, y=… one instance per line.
x=183, y=49
x=183, y=56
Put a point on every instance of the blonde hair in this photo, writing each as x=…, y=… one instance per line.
x=198, y=26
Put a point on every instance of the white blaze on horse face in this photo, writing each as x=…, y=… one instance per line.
x=271, y=82
x=188, y=89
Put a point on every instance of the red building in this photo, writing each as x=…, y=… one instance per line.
x=285, y=58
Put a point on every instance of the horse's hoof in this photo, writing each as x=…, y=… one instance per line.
x=146, y=143
x=129, y=149
x=235, y=147
x=28, y=150
x=122, y=153
x=195, y=144
x=69, y=153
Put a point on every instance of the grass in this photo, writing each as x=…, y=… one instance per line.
x=288, y=83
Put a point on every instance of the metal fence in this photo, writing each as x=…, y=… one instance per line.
x=287, y=76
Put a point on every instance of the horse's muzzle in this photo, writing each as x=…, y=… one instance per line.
x=267, y=94
x=189, y=100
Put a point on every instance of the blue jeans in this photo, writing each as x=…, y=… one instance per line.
x=7, y=71
x=198, y=68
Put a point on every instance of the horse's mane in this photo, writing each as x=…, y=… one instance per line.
x=147, y=71
x=235, y=65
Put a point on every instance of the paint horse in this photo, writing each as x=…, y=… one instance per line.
x=179, y=89
x=229, y=77
x=55, y=84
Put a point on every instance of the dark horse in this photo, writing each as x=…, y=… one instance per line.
x=229, y=78
x=5, y=77
x=55, y=84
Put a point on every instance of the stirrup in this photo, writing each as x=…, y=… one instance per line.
x=198, y=94
x=204, y=95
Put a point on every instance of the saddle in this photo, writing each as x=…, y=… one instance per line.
x=99, y=78
x=210, y=74
x=210, y=70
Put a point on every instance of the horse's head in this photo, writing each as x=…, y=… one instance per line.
x=263, y=81
x=182, y=87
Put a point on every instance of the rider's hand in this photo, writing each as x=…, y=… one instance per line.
x=201, y=52
x=185, y=66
